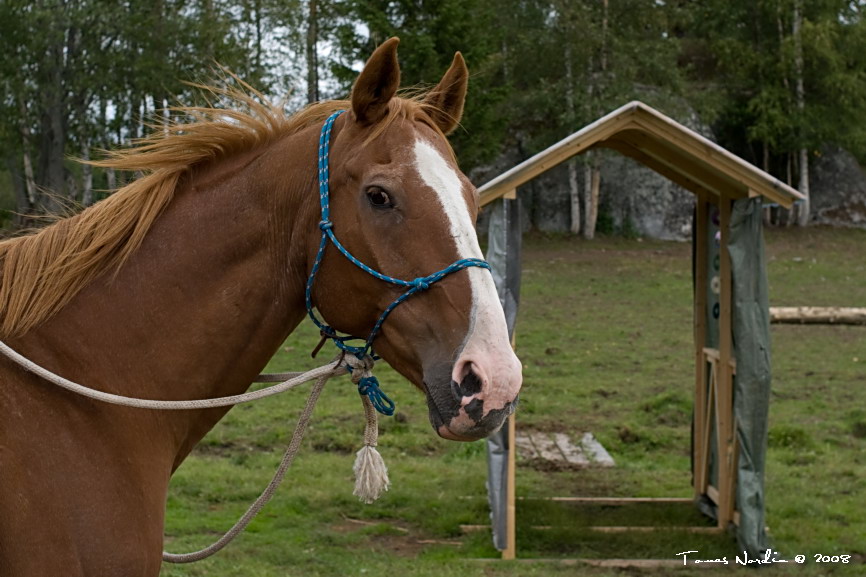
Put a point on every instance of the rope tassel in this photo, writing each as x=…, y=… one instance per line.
x=371, y=474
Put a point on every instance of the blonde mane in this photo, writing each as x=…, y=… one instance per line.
x=43, y=271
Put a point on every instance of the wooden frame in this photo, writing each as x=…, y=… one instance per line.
x=717, y=178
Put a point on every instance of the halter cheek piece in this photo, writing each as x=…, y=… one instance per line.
x=367, y=386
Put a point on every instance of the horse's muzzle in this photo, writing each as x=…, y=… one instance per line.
x=475, y=407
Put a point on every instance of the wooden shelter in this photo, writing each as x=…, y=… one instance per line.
x=718, y=179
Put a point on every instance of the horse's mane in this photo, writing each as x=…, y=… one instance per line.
x=43, y=271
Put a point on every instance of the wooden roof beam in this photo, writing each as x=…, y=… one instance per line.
x=663, y=169
x=713, y=154
x=577, y=143
x=643, y=146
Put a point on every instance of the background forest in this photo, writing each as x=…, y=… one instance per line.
x=776, y=81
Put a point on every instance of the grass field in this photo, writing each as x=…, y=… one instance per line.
x=605, y=335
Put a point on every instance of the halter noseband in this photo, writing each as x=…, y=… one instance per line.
x=367, y=386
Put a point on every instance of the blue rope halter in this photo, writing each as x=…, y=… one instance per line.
x=368, y=386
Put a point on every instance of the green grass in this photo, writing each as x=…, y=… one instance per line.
x=605, y=335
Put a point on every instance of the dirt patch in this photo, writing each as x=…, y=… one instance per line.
x=228, y=449
x=392, y=536
x=548, y=466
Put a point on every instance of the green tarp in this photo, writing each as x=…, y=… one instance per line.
x=751, y=327
x=751, y=386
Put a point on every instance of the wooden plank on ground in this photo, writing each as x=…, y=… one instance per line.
x=612, y=529
x=597, y=453
x=559, y=448
x=612, y=500
x=610, y=563
x=546, y=447
x=526, y=448
x=656, y=528
x=572, y=454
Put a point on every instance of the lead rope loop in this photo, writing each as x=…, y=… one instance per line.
x=285, y=463
x=371, y=474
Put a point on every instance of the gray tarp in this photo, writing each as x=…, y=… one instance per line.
x=751, y=326
x=503, y=254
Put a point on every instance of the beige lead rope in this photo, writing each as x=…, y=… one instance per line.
x=285, y=463
x=370, y=471
x=329, y=370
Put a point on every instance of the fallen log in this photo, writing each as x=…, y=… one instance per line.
x=818, y=315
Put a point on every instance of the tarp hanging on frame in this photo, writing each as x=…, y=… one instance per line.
x=750, y=325
x=503, y=254
x=751, y=328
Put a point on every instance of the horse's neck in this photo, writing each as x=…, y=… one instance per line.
x=200, y=308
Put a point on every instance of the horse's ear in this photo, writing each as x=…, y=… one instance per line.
x=445, y=102
x=377, y=84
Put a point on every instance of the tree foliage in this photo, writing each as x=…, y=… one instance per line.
x=83, y=74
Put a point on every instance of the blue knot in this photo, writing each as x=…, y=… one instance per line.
x=369, y=386
x=326, y=225
x=420, y=284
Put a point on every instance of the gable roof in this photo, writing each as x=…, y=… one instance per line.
x=664, y=145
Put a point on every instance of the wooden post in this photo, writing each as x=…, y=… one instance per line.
x=724, y=386
x=510, y=551
x=710, y=378
x=699, y=447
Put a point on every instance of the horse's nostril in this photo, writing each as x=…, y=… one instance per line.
x=469, y=386
x=456, y=391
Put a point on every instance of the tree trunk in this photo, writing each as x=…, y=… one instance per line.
x=573, y=189
x=588, y=210
x=257, y=58
x=312, y=54
x=805, y=208
x=574, y=196
x=52, y=153
x=86, y=175
x=106, y=142
x=209, y=21
x=775, y=216
x=591, y=185
x=592, y=172
x=603, y=55
x=19, y=216
x=26, y=203
x=110, y=179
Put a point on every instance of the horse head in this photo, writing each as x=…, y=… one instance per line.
x=400, y=205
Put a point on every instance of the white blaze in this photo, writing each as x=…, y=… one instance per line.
x=486, y=348
x=438, y=175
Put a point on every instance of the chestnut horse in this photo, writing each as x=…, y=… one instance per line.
x=184, y=283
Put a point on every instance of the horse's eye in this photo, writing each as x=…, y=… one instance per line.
x=379, y=198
